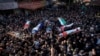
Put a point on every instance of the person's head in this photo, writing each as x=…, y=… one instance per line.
x=81, y=52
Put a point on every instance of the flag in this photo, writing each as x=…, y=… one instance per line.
x=66, y=26
x=27, y=24
x=69, y=25
x=64, y=34
x=62, y=21
x=37, y=28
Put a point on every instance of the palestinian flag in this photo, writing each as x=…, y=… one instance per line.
x=62, y=28
x=27, y=24
x=69, y=32
x=62, y=21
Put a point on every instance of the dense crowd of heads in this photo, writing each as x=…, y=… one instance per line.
x=84, y=43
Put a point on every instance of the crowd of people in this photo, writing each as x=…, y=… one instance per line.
x=84, y=43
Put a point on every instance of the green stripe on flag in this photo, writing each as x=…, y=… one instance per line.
x=62, y=21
